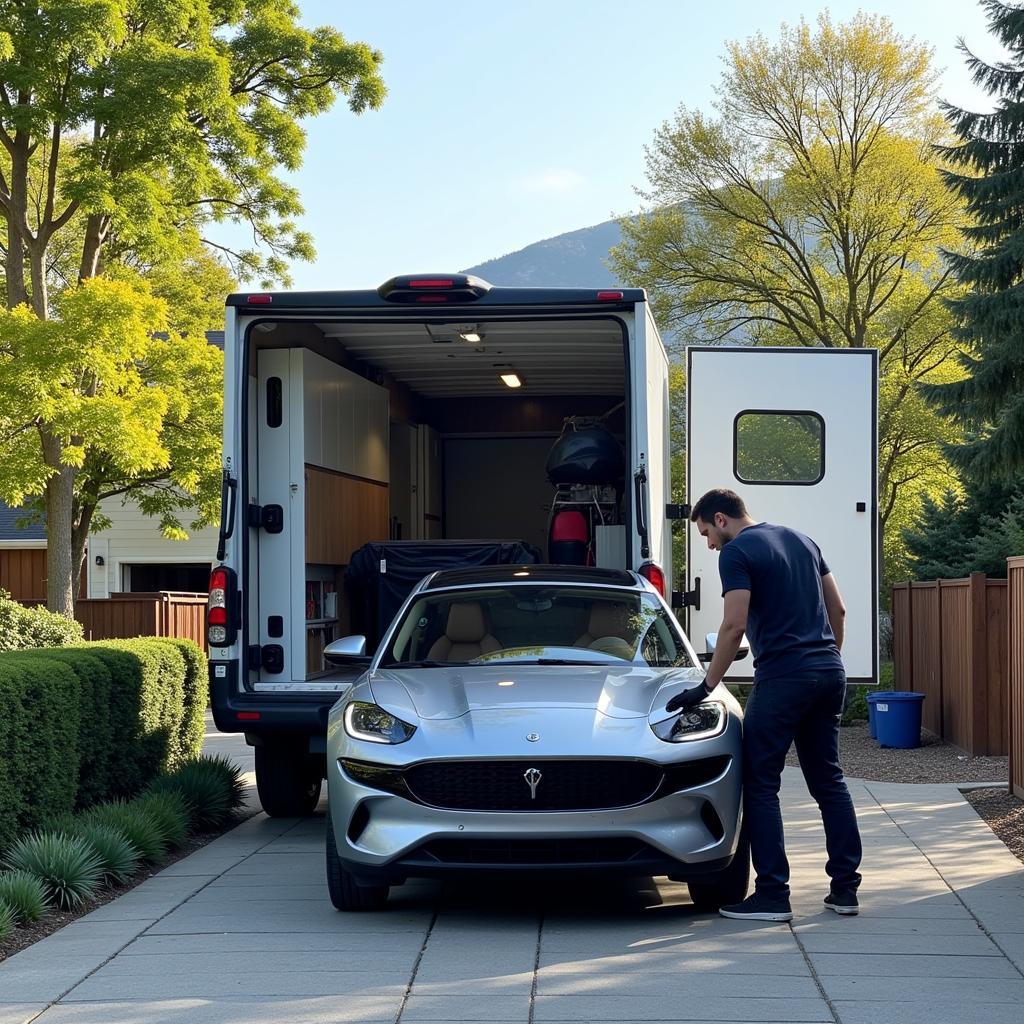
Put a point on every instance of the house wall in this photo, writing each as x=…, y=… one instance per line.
x=134, y=538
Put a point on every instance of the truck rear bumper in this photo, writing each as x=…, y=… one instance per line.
x=265, y=714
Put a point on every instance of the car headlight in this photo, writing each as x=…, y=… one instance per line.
x=372, y=723
x=698, y=723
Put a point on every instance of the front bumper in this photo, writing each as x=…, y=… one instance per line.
x=383, y=837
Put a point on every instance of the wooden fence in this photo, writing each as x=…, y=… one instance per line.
x=152, y=614
x=950, y=642
x=1015, y=672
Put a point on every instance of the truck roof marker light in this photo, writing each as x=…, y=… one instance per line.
x=610, y=296
x=511, y=380
x=259, y=300
x=248, y=716
x=432, y=283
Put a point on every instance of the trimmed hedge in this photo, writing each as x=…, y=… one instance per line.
x=22, y=628
x=83, y=724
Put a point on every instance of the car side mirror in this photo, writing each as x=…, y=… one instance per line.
x=711, y=642
x=348, y=650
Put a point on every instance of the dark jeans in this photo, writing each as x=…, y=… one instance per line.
x=806, y=711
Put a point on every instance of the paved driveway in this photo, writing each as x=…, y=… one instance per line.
x=242, y=931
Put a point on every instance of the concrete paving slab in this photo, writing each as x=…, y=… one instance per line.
x=308, y=1010
x=911, y=965
x=19, y=1013
x=935, y=944
x=248, y=962
x=114, y=988
x=931, y=1012
x=438, y=965
x=869, y=924
x=681, y=987
x=664, y=1008
x=466, y=1008
x=949, y=990
x=776, y=940
x=657, y=963
x=481, y=982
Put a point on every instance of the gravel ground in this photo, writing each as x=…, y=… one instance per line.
x=1004, y=814
x=934, y=761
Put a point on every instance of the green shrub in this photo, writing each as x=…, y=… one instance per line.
x=24, y=893
x=138, y=826
x=170, y=812
x=22, y=628
x=118, y=855
x=205, y=790
x=197, y=697
x=40, y=708
x=231, y=775
x=7, y=919
x=67, y=865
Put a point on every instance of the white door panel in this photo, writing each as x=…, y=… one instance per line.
x=757, y=416
x=650, y=426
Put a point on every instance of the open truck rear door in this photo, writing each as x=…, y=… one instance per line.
x=795, y=433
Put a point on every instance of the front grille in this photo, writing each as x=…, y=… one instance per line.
x=532, y=851
x=566, y=785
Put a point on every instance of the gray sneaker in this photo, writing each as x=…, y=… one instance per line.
x=758, y=907
x=843, y=903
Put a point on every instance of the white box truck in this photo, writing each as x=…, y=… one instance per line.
x=425, y=412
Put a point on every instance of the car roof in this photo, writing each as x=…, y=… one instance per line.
x=518, y=574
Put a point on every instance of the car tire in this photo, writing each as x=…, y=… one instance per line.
x=288, y=780
x=728, y=886
x=345, y=894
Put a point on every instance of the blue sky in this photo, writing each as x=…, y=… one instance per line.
x=513, y=122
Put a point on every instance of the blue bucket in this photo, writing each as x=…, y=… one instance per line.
x=871, y=715
x=897, y=718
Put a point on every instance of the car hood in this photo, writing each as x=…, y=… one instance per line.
x=445, y=693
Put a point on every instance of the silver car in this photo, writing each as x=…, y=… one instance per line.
x=513, y=719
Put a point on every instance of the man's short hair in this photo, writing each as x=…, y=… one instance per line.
x=721, y=499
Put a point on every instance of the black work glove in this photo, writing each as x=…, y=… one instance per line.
x=689, y=698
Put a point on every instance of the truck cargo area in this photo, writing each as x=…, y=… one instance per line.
x=403, y=429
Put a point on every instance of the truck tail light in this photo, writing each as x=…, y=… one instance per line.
x=221, y=624
x=654, y=575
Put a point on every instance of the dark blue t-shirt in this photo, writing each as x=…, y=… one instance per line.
x=787, y=625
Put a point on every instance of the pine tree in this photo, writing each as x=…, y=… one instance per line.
x=987, y=172
x=937, y=547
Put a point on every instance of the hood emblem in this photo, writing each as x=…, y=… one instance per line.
x=533, y=777
x=533, y=736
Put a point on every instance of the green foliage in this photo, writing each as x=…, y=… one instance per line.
x=67, y=866
x=25, y=894
x=197, y=696
x=986, y=172
x=7, y=919
x=141, y=828
x=169, y=810
x=39, y=725
x=118, y=855
x=206, y=790
x=82, y=724
x=129, y=135
x=975, y=531
x=810, y=210
x=230, y=774
x=22, y=627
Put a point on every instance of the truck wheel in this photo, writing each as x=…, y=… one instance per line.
x=287, y=780
x=345, y=893
x=728, y=886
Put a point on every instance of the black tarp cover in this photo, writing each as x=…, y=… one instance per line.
x=381, y=575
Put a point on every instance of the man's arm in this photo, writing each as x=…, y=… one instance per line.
x=834, y=608
x=730, y=633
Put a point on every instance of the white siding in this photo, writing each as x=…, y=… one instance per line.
x=135, y=537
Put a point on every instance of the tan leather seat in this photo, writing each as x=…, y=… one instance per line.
x=465, y=636
x=607, y=620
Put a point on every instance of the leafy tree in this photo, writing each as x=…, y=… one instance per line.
x=988, y=173
x=810, y=211
x=139, y=407
x=128, y=130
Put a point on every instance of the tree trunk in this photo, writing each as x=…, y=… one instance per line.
x=40, y=289
x=14, y=268
x=79, y=537
x=60, y=496
x=94, y=232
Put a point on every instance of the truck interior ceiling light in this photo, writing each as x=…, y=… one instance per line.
x=511, y=380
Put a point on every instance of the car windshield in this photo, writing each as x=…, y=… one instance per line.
x=526, y=624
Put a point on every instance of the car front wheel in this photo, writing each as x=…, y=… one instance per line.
x=345, y=893
x=728, y=886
